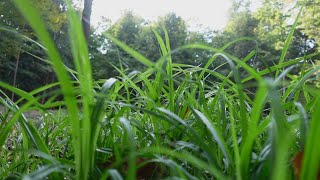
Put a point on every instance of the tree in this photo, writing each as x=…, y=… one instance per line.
x=138, y=34
x=310, y=23
x=15, y=50
x=11, y=45
x=127, y=30
x=275, y=22
x=272, y=28
x=269, y=25
x=241, y=24
x=86, y=18
x=178, y=34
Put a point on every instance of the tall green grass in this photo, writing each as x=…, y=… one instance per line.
x=170, y=121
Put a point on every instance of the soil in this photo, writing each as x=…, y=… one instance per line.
x=32, y=114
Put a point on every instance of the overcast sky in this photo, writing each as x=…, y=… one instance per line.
x=210, y=13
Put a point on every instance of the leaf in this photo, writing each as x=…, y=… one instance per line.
x=43, y=172
x=216, y=135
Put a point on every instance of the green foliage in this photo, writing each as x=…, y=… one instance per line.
x=172, y=119
x=19, y=56
x=139, y=34
x=310, y=22
x=272, y=27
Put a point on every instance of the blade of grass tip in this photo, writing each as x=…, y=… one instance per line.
x=290, y=94
x=97, y=111
x=21, y=93
x=29, y=129
x=235, y=142
x=201, y=92
x=245, y=66
x=153, y=91
x=243, y=111
x=165, y=52
x=80, y=54
x=311, y=157
x=34, y=19
x=288, y=40
x=127, y=80
x=6, y=127
x=131, y=52
x=226, y=78
x=81, y=60
x=132, y=157
x=159, y=76
x=246, y=59
x=281, y=134
x=208, y=64
x=284, y=64
x=205, y=47
x=208, y=48
x=34, y=135
x=222, y=49
x=255, y=115
x=163, y=48
x=283, y=74
x=169, y=70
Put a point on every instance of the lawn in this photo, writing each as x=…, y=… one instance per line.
x=171, y=121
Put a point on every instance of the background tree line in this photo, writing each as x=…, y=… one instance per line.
x=22, y=65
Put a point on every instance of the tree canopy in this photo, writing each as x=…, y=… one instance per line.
x=268, y=26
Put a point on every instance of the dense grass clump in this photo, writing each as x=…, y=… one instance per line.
x=170, y=121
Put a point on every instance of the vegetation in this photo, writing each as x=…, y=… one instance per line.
x=155, y=100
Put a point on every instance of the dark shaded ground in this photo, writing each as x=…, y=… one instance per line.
x=32, y=114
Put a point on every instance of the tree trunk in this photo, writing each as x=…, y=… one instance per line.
x=17, y=56
x=15, y=73
x=48, y=77
x=86, y=16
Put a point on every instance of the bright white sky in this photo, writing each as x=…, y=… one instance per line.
x=209, y=13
